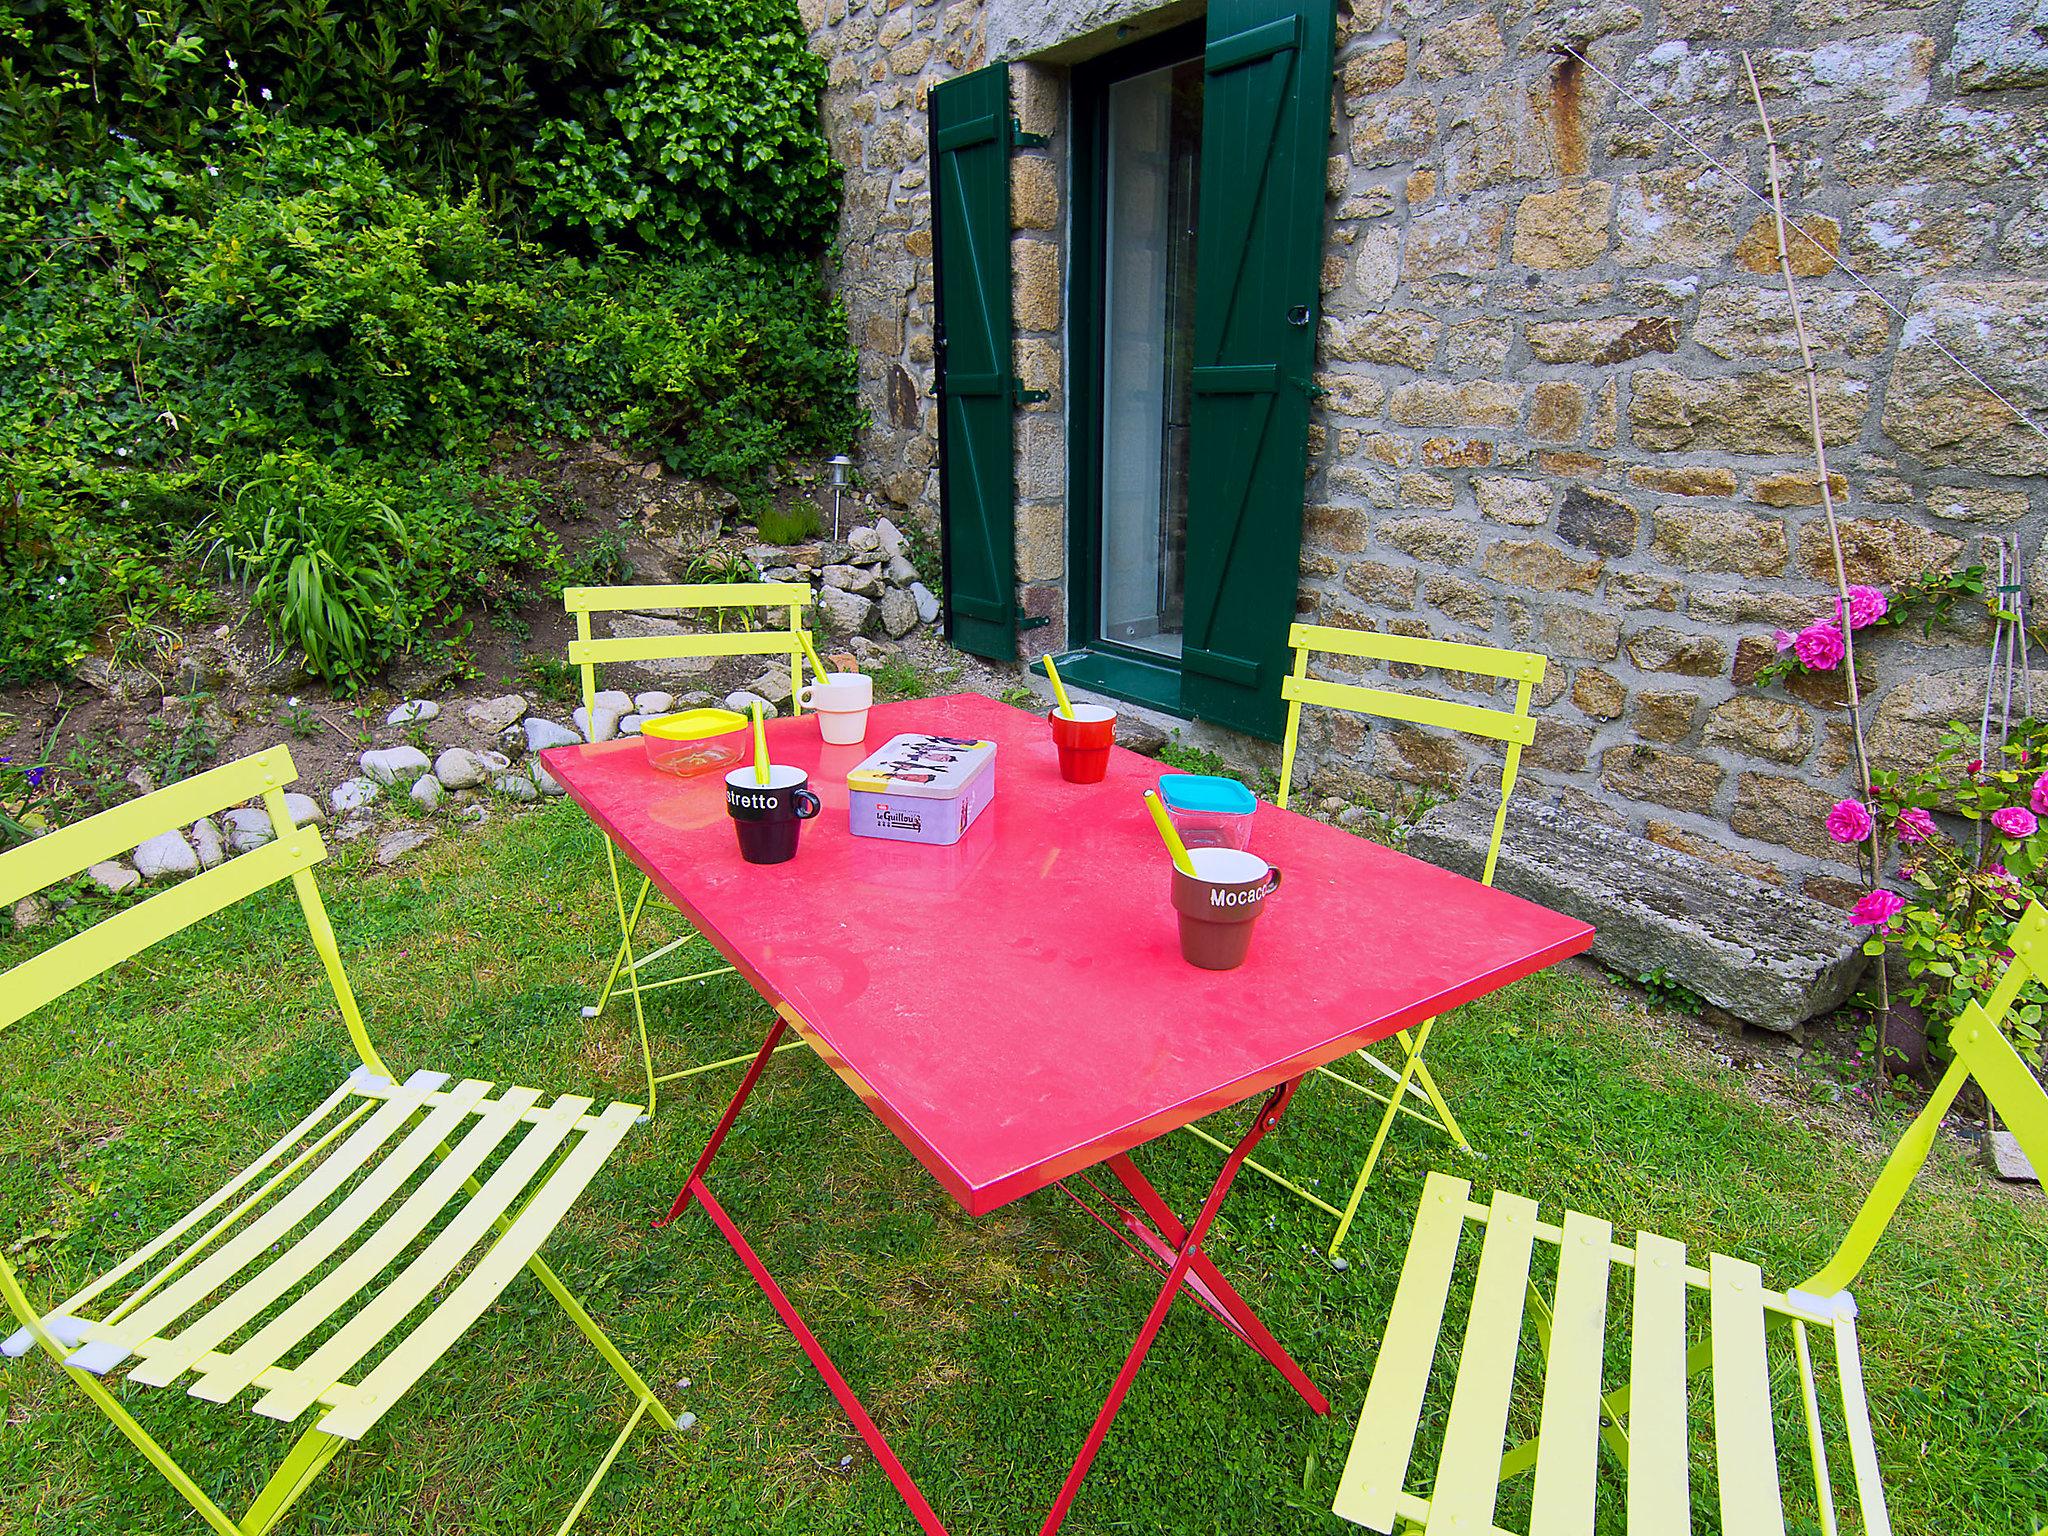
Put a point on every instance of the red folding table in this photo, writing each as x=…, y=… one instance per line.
x=1014, y=1007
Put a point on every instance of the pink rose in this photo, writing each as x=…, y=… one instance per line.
x=1915, y=825
x=2015, y=821
x=1877, y=910
x=1866, y=606
x=1974, y=766
x=1782, y=640
x=2039, y=798
x=1820, y=647
x=1849, y=821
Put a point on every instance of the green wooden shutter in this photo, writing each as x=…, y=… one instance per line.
x=1258, y=264
x=970, y=129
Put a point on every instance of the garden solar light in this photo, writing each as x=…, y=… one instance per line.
x=841, y=468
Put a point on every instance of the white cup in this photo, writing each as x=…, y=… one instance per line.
x=841, y=704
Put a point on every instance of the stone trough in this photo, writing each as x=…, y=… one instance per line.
x=1766, y=956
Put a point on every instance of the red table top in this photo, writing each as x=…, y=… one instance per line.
x=1015, y=1007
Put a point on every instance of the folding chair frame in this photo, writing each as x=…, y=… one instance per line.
x=65, y=1335
x=1410, y=1090
x=587, y=654
x=1643, y=1422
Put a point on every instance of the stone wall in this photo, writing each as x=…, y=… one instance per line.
x=1563, y=409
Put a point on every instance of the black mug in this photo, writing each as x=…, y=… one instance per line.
x=768, y=816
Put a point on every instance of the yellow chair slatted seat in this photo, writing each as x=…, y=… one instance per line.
x=1410, y=1089
x=1644, y=1423
x=588, y=653
x=317, y=1224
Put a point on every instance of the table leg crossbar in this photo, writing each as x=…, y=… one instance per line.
x=1172, y=1249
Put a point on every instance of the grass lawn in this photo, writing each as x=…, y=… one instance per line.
x=983, y=1347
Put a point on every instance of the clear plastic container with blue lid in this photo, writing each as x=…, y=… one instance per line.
x=1207, y=811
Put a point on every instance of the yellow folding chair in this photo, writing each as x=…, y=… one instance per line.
x=299, y=1254
x=1644, y=1423
x=588, y=653
x=1411, y=1091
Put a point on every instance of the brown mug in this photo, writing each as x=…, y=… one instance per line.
x=1218, y=904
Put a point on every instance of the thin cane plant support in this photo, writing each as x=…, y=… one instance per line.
x=1873, y=850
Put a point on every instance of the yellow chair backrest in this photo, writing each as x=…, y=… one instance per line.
x=1512, y=726
x=1981, y=1051
x=292, y=853
x=589, y=653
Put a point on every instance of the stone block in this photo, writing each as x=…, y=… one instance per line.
x=1878, y=551
x=1478, y=346
x=1748, y=323
x=1595, y=520
x=1437, y=403
x=1456, y=452
x=1413, y=755
x=1797, y=488
x=1769, y=958
x=1615, y=339
x=1761, y=727
x=1979, y=504
x=1380, y=67
x=1754, y=413
x=1634, y=589
x=1686, y=216
x=1717, y=18
x=1578, y=634
x=1660, y=648
x=1683, y=479
x=1563, y=230
x=1434, y=540
x=1035, y=285
x=1434, y=491
x=1888, y=71
x=1390, y=586
x=1462, y=601
x=1391, y=129
x=1540, y=567
x=1405, y=337
x=1664, y=717
x=1999, y=46
x=1598, y=694
x=1812, y=241
x=2000, y=328
x=1522, y=503
x=1659, y=777
x=1557, y=412
x=1789, y=812
x=1460, y=48
x=1461, y=237
x=1699, y=539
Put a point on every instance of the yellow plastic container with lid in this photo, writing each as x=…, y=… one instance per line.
x=694, y=741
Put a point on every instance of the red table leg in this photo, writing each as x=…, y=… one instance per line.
x=1190, y=1267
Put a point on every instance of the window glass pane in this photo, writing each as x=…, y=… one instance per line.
x=1154, y=144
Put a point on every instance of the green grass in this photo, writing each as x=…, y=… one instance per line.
x=983, y=1347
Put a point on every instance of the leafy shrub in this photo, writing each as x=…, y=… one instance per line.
x=713, y=105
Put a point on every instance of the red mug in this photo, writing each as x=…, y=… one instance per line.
x=1084, y=742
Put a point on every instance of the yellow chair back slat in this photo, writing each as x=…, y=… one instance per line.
x=107, y=943
x=37, y=865
x=1981, y=1051
x=1418, y=709
x=737, y=594
x=1561, y=1504
x=666, y=647
x=1420, y=651
x=1745, y=1447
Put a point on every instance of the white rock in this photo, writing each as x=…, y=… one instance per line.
x=927, y=602
x=428, y=790
x=631, y=725
x=654, y=702
x=845, y=613
x=542, y=734
x=30, y=912
x=901, y=572
x=462, y=768
x=889, y=538
x=544, y=781
x=248, y=828
x=773, y=685
x=304, y=810
x=351, y=829
x=394, y=846
x=854, y=578
x=113, y=877
x=490, y=716
x=413, y=712
x=742, y=702
x=206, y=842
x=516, y=786
x=599, y=724
x=473, y=813
x=614, y=698
x=353, y=795
x=864, y=538
x=165, y=854
x=387, y=765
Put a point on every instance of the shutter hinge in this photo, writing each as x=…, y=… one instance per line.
x=1019, y=395
x=1019, y=139
x=1034, y=621
x=1315, y=391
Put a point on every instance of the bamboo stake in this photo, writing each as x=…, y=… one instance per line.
x=1874, y=850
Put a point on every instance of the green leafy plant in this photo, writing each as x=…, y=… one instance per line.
x=1930, y=597
x=1673, y=994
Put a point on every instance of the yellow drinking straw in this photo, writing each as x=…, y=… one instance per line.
x=1174, y=845
x=810, y=650
x=1059, y=689
x=760, y=747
